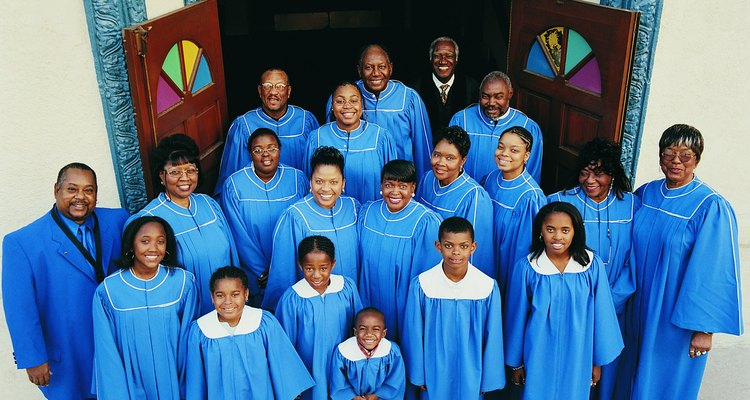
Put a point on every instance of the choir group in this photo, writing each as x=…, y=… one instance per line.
x=371, y=258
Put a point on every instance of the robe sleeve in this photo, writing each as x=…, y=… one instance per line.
x=21, y=309
x=607, y=337
x=493, y=376
x=477, y=209
x=313, y=142
x=523, y=218
x=289, y=376
x=421, y=133
x=519, y=302
x=425, y=255
x=195, y=381
x=413, y=338
x=709, y=299
x=190, y=311
x=237, y=224
x=235, y=155
x=311, y=123
x=387, y=147
x=534, y=163
x=283, y=271
x=233, y=256
x=458, y=119
x=109, y=371
x=286, y=314
x=339, y=386
x=394, y=385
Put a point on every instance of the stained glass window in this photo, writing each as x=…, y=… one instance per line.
x=184, y=70
x=563, y=52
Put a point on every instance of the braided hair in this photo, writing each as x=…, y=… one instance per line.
x=315, y=243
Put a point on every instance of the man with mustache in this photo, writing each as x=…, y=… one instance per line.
x=291, y=124
x=51, y=269
x=486, y=121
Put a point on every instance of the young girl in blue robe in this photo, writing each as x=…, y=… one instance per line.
x=453, y=333
x=204, y=239
x=318, y=311
x=448, y=190
x=323, y=212
x=241, y=352
x=396, y=243
x=602, y=194
x=367, y=365
x=516, y=198
x=253, y=198
x=141, y=317
x=563, y=326
x=366, y=147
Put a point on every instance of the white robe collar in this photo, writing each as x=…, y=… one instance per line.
x=213, y=329
x=304, y=290
x=544, y=266
x=474, y=286
x=349, y=348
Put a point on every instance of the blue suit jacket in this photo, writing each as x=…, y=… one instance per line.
x=48, y=288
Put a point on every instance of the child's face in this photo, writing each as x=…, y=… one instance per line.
x=369, y=330
x=456, y=248
x=317, y=266
x=557, y=234
x=229, y=297
x=149, y=247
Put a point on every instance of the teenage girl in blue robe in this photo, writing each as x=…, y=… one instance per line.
x=253, y=198
x=687, y=270
x=241, y=352
x=204, y=239
x=323, y=212
x=563, y=326
x=141, y=318
x=396, y=243
x=318, y=311
x=448, y=190
x=366, y=147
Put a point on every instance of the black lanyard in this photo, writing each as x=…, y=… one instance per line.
x=96, y=263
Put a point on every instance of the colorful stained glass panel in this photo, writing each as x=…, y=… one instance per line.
x=553, y=41
x=203, y=76
x=171, y=66
x=576, y=51
x=588, y=77
x=165, y=95
x=190, y=57
x=537, y=61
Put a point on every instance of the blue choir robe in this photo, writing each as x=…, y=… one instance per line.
x=365, y=150
x=316, y=323
x=352, y=374
x=47, y=289
x=400, y=110
x=252, y=361
x=465, y=198
x=560, y=326
x=252, y=208
x=485, y=133
x=515, y=203
x=140, y=334
x=204, y=239
x=686, y=255
x=306, y=218
x=453, y=335
x=393, y=249
x=292, y=129
x=609, y=226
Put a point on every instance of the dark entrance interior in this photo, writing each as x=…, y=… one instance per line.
x=318, y=43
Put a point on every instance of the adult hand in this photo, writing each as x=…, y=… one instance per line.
x=519, y=377
x=371, y=396
x=423, y=387
x=596, y=374
x=700, y=344
x=40, y=374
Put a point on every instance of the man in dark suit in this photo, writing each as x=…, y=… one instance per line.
x=445, y=91
x=51, y=268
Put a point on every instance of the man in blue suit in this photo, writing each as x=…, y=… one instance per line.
x=51, y=268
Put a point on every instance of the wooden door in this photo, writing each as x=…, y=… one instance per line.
x=176, y=76
x=570, y=63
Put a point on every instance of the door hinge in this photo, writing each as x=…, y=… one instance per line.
x=141, y=40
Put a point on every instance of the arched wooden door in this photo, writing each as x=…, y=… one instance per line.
x=570, y=62
x=176, y=76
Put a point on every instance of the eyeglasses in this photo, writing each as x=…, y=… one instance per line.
x=177, y=173
x=684, y=157
x=267, y=86
x=341, y=101
x=270, y=150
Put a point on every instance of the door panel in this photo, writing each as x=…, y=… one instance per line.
x=570, y=63
x=176, y=75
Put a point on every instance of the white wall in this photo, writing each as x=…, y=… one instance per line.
x=700, y=77
x=50, y=115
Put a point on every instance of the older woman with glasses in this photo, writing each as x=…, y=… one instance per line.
x=204, y=239
x=686, y=261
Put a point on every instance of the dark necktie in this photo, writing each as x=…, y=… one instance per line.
x=84, y=236
x=444, y=92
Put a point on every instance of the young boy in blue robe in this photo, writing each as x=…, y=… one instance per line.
x=241, y=352
x=318, y=311
x=563, y=326
x=453, y=334
x=141, y=315
x=367, y=366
